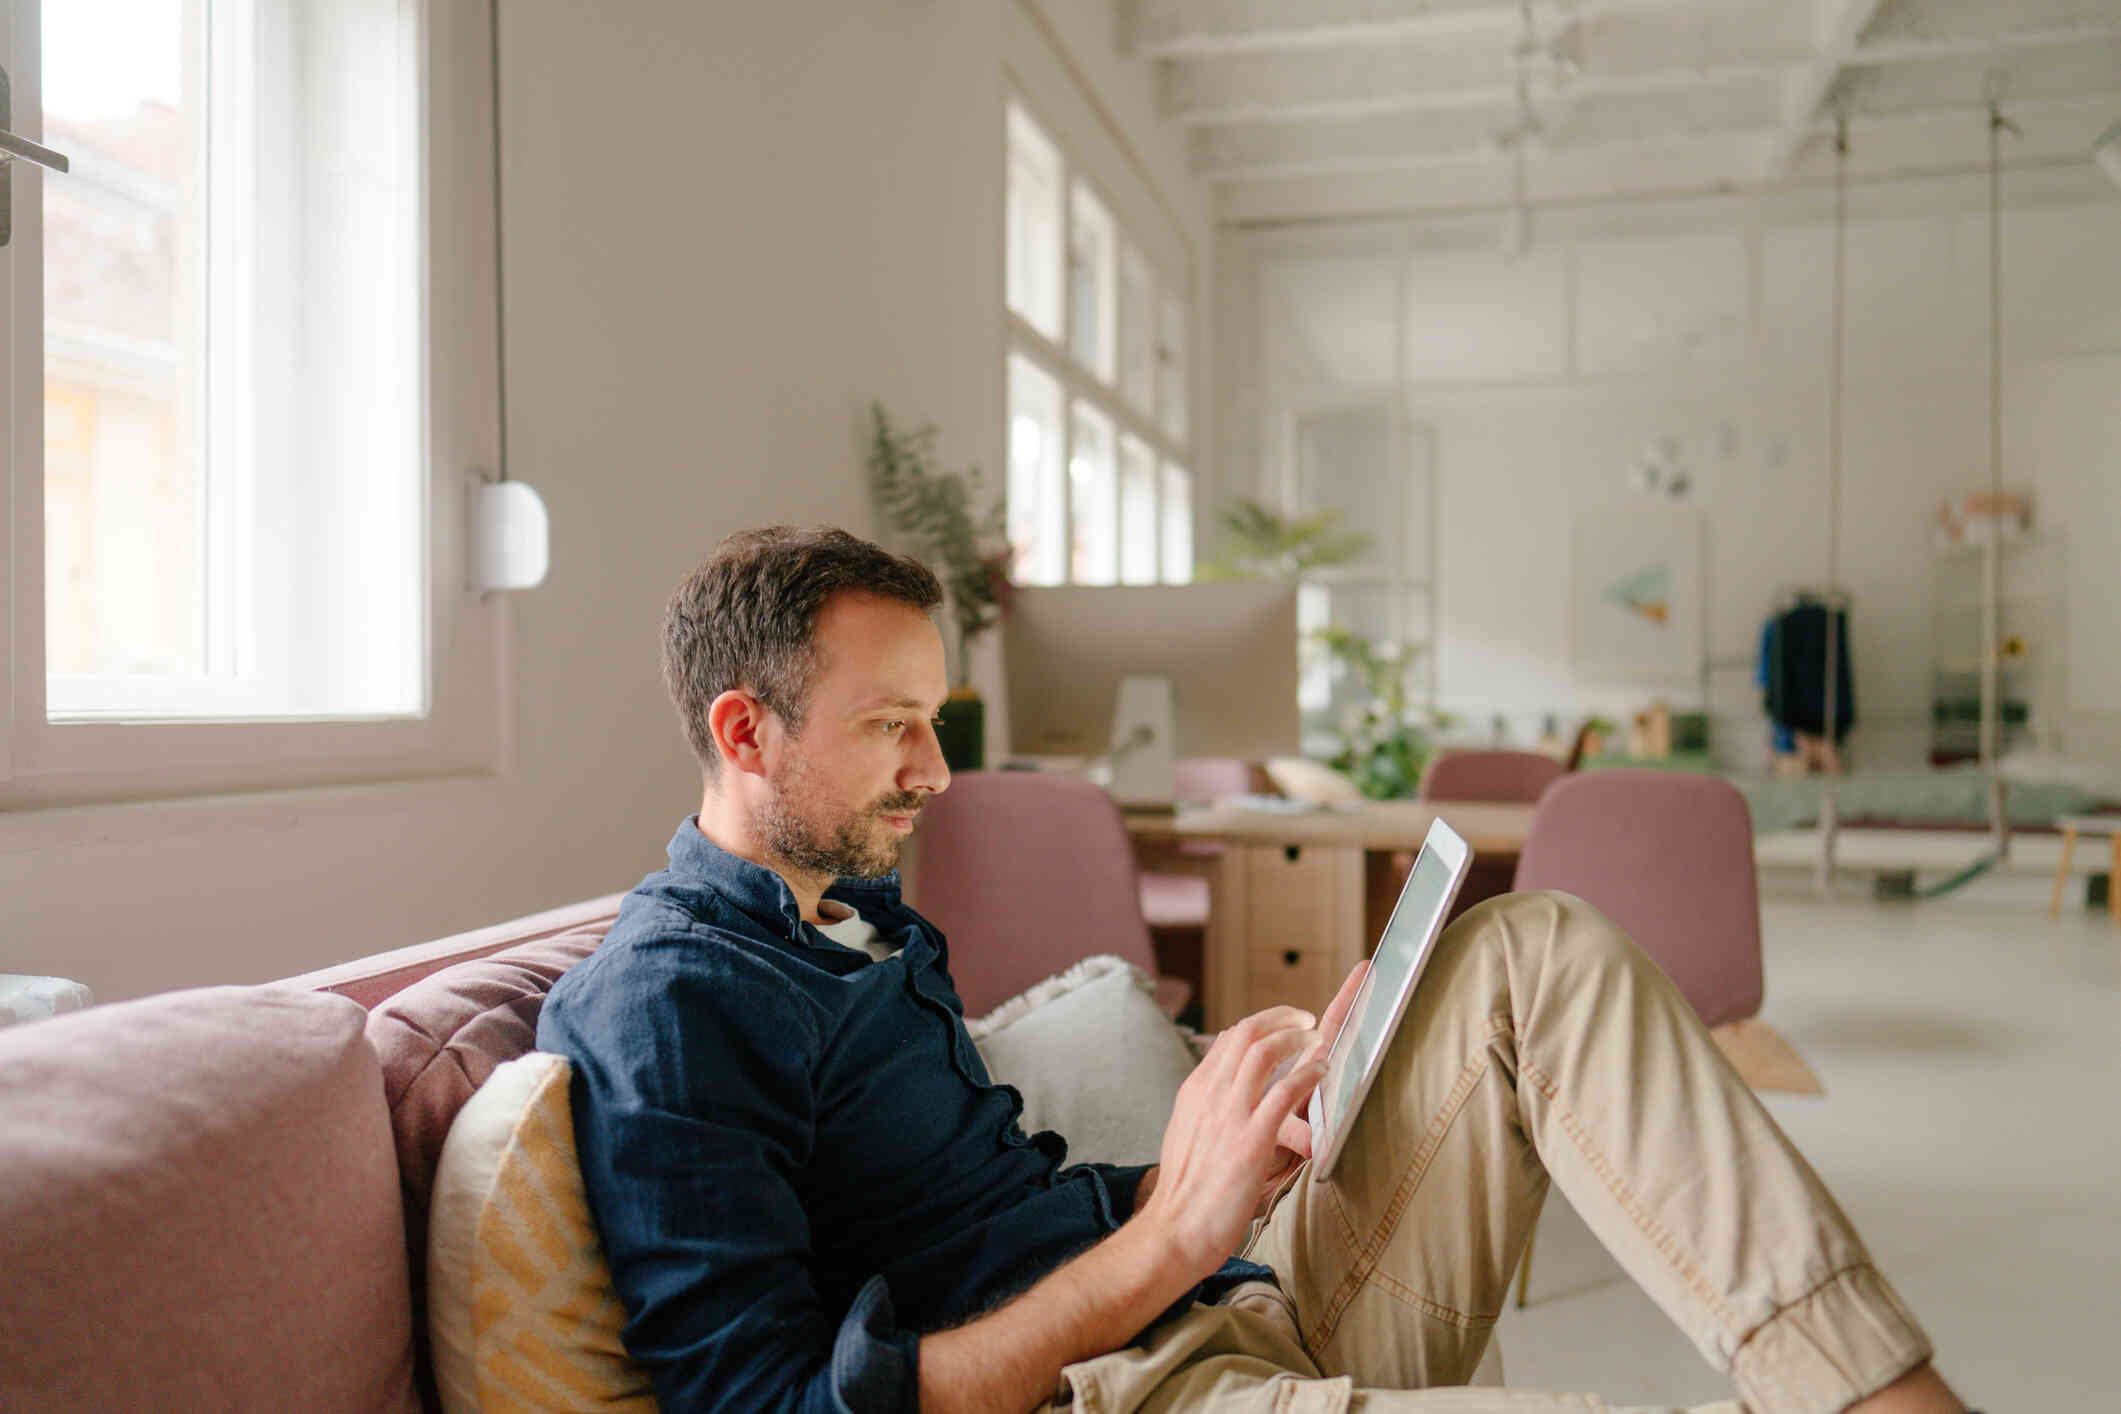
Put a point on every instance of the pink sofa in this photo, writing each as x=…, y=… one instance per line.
x=217, y=1199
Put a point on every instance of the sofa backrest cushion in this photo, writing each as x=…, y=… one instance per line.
x=438, y=1040
x=199, y=1210
x=522, y=1315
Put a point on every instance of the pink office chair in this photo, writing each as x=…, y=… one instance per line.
x=1517, y=777
x=1028, y=873
x=1176, y=905
x=1509, y=777
x=1181, y=900
x=1668, y=856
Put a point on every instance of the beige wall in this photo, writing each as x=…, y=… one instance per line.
x=728, y=228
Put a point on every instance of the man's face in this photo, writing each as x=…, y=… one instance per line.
x=847, y=788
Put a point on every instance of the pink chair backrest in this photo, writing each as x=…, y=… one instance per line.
x=1026, y=873
x=1206, y=778
x=1669, y=857
x=1518, y=777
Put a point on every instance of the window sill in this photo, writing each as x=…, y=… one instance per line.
x=34, y=826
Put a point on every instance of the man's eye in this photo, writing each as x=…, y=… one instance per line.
x=894, y=726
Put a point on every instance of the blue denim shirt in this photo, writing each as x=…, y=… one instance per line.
x=795, y=1156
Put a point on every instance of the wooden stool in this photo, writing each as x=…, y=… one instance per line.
x=2072, y=826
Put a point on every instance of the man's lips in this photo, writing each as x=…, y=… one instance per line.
x=899, y=819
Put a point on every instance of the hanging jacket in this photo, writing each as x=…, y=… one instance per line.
x=1797, y=672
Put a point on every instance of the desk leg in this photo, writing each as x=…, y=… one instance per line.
x=1222, y=963
x=2069, y=846
x=2113, y=882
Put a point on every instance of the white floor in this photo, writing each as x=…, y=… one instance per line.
x=1971, y=1052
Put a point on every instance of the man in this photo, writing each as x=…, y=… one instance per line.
x=812, y=1198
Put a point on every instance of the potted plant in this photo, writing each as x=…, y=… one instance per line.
x=958, y=530
x=1381, y=749
x=1261, y=544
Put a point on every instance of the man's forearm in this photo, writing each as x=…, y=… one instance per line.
x=1010, y=1361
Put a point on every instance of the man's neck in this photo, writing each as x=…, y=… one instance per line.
x=734, y=836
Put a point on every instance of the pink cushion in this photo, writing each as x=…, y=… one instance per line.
x=438, y=1040
x=1174, y=900
x=199, y=1210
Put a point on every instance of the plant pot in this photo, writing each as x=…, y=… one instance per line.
x=962, y=730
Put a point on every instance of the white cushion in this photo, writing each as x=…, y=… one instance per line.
x=1095, y=1058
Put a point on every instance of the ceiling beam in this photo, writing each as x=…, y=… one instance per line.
x=1235, y=173
x=1552, y=91
x=1421, y=22
x=1906, y=51
x=1840, y=32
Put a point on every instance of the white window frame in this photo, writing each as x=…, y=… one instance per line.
x=44, y=763
x=1077, y=380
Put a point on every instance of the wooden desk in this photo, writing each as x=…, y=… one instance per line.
x=1297, y=900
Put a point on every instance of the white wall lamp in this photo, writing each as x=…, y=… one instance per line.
x=510, y=539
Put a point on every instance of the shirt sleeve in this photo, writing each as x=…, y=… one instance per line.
x=1122, y=1181
x=694, y=1113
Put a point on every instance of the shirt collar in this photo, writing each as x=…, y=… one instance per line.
x=761, y=893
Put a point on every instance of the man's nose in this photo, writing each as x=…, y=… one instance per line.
x=926, y=771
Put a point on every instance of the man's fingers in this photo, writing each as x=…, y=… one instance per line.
x=1272, y=1057
x=1281, y=1102
x=1235, y=1041
x=1294, y=1135
x=1343, y=1002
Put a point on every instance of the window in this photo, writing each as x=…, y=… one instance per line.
x=1137, y=511
x=1093, y=296
x=1098, y=424
x=1034, y=216
x=1036, y=497
x=1093, y=500
x=247, y=504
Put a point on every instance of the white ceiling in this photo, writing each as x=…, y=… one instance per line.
x=1302, y=110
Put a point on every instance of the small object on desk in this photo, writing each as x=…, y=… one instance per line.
x=1272, y=804
x=32, y=998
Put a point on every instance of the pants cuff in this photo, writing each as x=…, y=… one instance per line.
x=1847, y=1339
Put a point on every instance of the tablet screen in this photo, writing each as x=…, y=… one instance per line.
x=1399, y=955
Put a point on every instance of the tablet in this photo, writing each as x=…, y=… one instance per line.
x=1410, y=935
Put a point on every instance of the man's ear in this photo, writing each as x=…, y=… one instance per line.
x=740, y=725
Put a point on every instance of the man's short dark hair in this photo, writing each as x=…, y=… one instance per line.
x=747, y=618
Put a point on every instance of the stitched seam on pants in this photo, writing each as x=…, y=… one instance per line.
x=1662, y=1240
x=1410, y=1179
x=1390, y=1284
x=1768, y=1377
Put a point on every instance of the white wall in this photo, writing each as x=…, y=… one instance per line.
x=1544, y=378
x=728, y=228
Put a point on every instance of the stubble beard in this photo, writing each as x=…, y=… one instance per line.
x=857, y=846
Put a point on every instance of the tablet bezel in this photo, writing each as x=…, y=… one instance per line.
x=1328, y=1137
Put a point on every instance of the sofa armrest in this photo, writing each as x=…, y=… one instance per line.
x=370, y=980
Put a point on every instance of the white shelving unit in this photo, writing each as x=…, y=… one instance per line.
x=2031, y=615
x=1378, y=470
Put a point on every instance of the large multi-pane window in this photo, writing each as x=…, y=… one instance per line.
x=1098, y=491
x=275, y=233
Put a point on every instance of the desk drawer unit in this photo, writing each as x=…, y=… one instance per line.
x=1296, y=929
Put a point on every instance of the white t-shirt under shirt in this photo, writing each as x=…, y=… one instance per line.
x=850, y=930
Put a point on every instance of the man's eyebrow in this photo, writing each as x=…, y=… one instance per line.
x=907, y=704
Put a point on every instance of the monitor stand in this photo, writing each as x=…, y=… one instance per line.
x=1144, y=764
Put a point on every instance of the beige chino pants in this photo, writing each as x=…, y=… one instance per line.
x=1541, y=1044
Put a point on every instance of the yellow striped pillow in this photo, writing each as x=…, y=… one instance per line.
x=521, y=1314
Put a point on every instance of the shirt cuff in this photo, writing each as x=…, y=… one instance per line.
x=1122, y=1184
x=875, y=1365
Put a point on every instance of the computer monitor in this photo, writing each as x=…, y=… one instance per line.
x=1228, y=650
